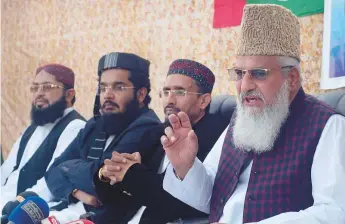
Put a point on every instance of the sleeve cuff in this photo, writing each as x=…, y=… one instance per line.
x=191, y=189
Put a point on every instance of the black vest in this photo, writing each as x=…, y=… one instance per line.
x=36, y=167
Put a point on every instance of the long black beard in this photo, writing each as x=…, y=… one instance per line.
x=115, y=123
x=42, y=116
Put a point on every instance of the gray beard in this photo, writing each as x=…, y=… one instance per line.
x=257, y=130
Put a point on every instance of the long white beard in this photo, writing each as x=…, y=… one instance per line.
x=257, y=130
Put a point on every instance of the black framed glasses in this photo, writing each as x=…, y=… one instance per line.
x=176, y=92
x=237, y=74
x=46, y=87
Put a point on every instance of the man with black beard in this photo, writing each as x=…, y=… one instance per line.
x=54, y=124
x=121, y=118
x=138, y=195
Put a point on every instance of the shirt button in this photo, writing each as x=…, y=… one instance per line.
x=236, y=173
x=222, y=200
x=255, y=172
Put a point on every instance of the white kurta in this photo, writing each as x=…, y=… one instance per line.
x=327, y=175
x=9, y=190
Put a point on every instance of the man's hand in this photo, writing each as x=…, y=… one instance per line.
x=116, y=168
x=86, y=198
x=180, y=143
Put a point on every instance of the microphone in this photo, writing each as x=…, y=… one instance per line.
x=31, y=211
x=81, y=221
x=89, y=216
x=11, y=205
x=50, y=220
x=24, y=195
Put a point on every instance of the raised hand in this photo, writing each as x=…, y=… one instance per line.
x=180, y=143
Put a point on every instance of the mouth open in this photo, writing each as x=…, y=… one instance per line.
x=252, y=101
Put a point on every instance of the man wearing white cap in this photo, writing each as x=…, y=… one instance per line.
x=282, y=158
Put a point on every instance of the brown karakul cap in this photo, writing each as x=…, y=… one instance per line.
x=62, y=73
x=269, y=30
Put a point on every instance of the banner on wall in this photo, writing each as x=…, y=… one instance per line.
x=333, y=52
x=228, y=13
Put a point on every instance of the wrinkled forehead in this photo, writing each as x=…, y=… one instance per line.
x=249, y=62
x=178, y=81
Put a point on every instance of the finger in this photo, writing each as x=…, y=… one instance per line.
x=128, y=156
x=108, y=162
x=193, y=142
x=118, y=158
x=174, y=121
x=137, y=156
x=107, y=174
x=184, y=119
x=111, y=169
x=165, y=141
x=112, y=180
x=169, y=133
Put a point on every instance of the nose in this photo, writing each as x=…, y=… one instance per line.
x=247, y=83
x=109, y=94
x=39, y=93
x=170, y=99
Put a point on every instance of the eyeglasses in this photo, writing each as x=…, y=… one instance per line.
x=114, y=88
x=176, y=92
x=237, y=74
x=46, y=87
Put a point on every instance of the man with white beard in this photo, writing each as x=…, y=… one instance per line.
x=282, y=158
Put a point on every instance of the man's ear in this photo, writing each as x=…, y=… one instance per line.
x=141, y=94
x=205, y=100
x=295, y=79
x=70, y=94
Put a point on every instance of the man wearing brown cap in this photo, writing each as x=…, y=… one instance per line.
x=121, y=117
x=54, y=124
x=282, y=158
x=138, y=192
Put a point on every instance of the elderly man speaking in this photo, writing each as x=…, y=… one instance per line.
x=282, y=158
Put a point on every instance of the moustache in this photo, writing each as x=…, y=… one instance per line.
x=251, y=93
x=173, y=108
x=40, y=100
x=111, y=103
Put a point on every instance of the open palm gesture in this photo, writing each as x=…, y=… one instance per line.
x=180, y=143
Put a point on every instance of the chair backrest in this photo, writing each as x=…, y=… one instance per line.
x=224, y=105
x=336, y=99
